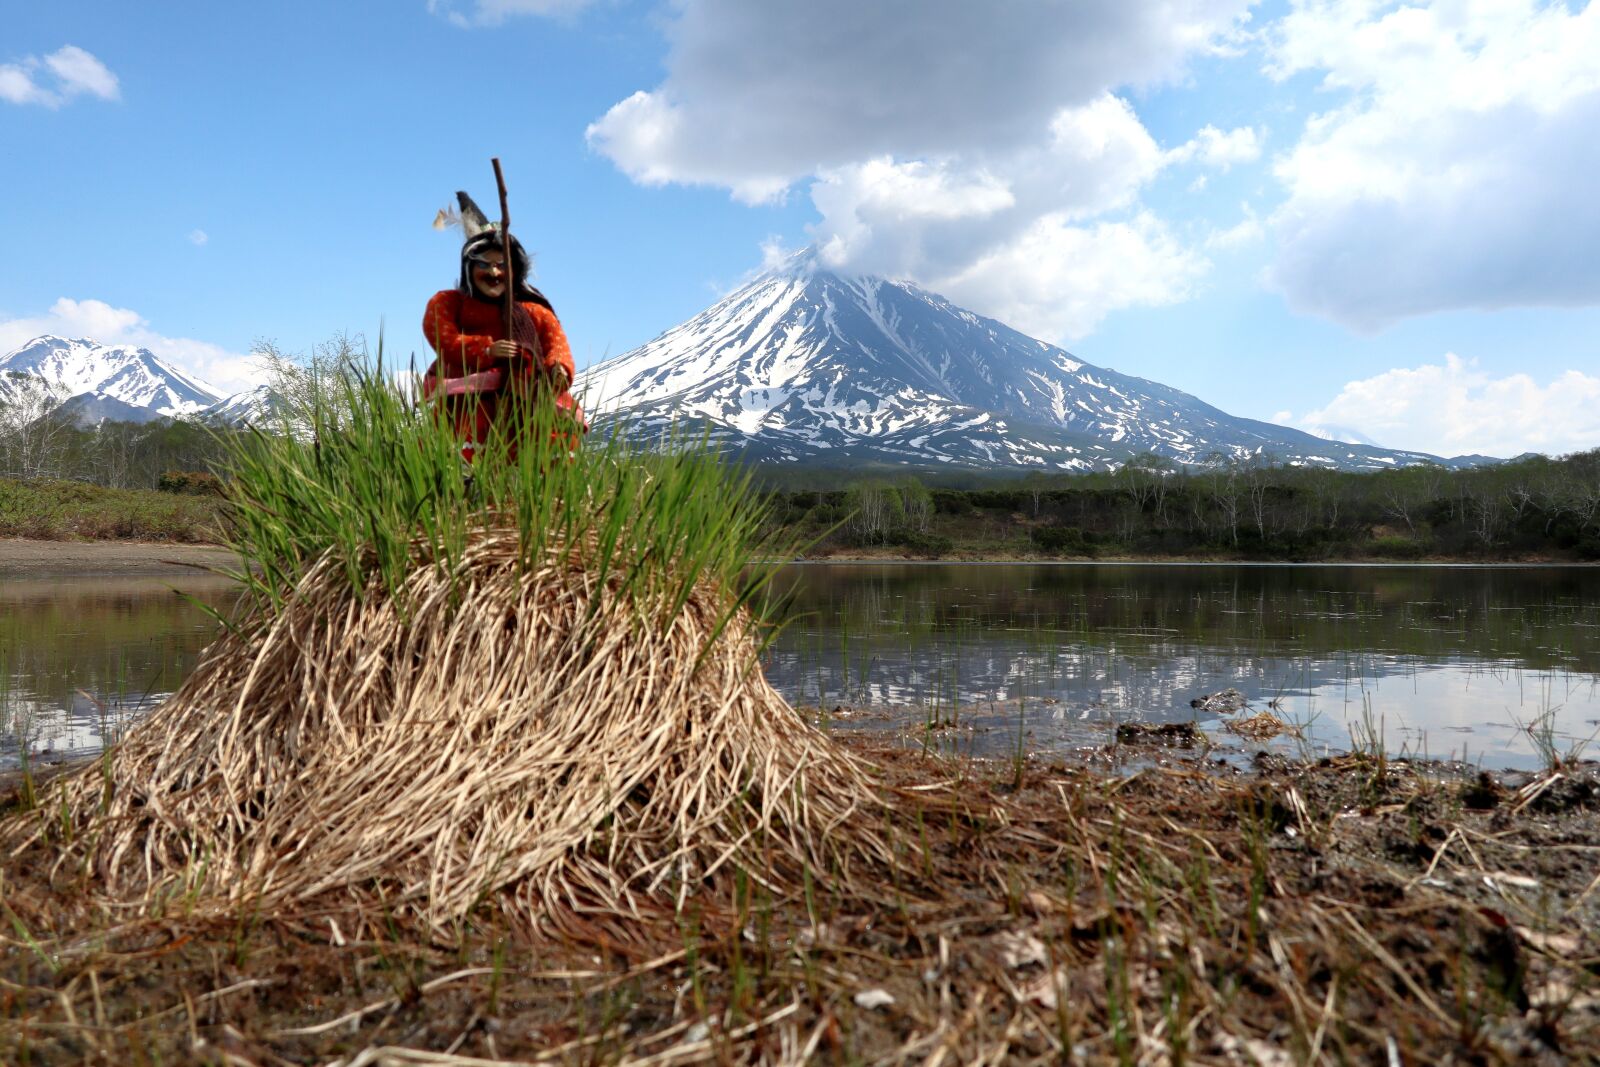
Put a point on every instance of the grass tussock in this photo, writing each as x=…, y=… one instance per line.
x=532, y=685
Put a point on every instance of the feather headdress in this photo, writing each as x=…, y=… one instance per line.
x=470, y=218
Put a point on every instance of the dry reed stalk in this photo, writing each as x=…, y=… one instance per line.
x=516, y=735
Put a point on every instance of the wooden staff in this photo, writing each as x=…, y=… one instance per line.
x=505, y=244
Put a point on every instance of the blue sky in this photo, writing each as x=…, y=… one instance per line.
x=1356, y=214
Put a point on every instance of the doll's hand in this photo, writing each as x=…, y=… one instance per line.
x=506, y=350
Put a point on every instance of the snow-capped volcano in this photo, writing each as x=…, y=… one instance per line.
x=808, y=365
x=88, y=382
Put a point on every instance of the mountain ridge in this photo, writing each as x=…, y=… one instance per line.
x=807, y=365
x=88, y=382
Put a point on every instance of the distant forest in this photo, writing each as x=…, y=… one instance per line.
x=1242, y=509
x=116, y=455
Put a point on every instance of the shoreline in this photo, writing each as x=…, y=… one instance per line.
x=20, y=556
x=1190, y=561
x=24, y=557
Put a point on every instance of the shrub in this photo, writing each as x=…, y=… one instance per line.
x=198, y=483
x=999, y=499
x=1395, y=547
x=928, y=545
x=1062, y=541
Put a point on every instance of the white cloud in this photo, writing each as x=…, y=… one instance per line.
x=774, y=252
x=1456, y=170
x=1246, y=231
x=880, y=215
x=58, y=77
x=759, y=95
x=1010, y=234
x=1216, y=148
x=80, y=72
x=1457, y=409
x=198, y=237
x=1059, y=280
x=17, y=85
x=228, y=371
x=494, y=12
x=983, y=155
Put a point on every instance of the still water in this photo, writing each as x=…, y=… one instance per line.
x=1438, y=661
x=1447, y=662
x=81, y=658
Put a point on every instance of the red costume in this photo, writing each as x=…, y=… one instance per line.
x=475, y=387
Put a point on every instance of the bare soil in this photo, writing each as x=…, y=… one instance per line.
x=19, y=556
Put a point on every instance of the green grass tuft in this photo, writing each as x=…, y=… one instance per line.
x=362, y=472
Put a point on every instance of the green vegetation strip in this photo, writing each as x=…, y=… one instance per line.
x=1226, y=508
x=55, y=510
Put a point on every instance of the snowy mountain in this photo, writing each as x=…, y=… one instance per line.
x=89, y=383
x=258, y=406
x=88, y=410
x=806, y=365
x=135, y=377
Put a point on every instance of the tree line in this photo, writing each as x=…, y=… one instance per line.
x=36, y=445
x=1250, y=508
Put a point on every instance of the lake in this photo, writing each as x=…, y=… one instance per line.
x=1492, y=664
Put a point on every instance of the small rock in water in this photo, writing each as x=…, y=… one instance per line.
x=1180, y=734
x=1226, y=702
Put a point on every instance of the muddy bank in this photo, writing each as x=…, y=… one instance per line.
x=27, y=558
x=1346, y=910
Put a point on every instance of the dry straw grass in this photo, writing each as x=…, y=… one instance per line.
x=542, y=699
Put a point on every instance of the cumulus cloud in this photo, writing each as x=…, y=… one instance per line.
x=53, y=80
x=1247, y=231
x=1216, y=148
x=1456, y=169
x=1456, y=408
x=1059, y=280
x=198, y=237
x=985, y=156
x=773, y=253
x=1021, y=236
x=494, y=12
x=228, y=371
x=758, y=96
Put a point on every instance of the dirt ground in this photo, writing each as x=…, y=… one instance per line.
x=132, y=558
x=1351, y=910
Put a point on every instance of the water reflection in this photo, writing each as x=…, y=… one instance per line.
x=80, y=658
x=1442, y=661
x=1445, y=661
